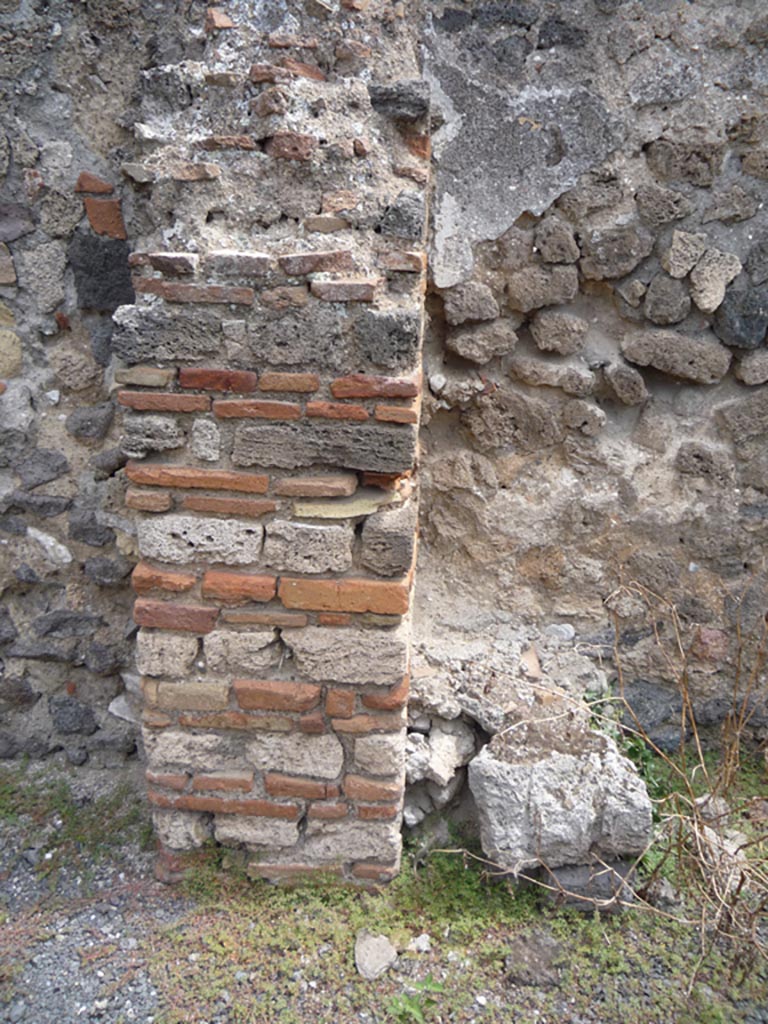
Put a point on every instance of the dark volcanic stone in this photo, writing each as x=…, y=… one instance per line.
x=106, y=572
x=66, y=623
x=91, y=423
x=503, y=13
x=40, y=466
x=453, y=19
x=103, y=660
x=8, y=630
x=16, y=692
x=15, y=221
x=106, y=464
x=46, y=650
x=667, y=300
x=405, y=217
x=757, y=263
x=389, y=340
x=742, y=319
x=14, y=525
x=72, y=716
x=403, y=101
x=556, y=31
x=43, y=505
x=102, y=275
x=85, y=527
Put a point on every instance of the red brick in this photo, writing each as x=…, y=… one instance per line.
x=280, y=620
x=303, y=70
x=396, y=414
x=214, y=142
x=339, y=486
x=236, y=586
x=88, y=182
x=268, y=73
x=172, y=264
x=188, y=476
x=417, y=174
x=286, y=785
x=163, y=401
x=361, y=595
x=145, y=578
x=360, y=385
x=263, y=695
x=340, y=703
x=105, y=217
x=222, y=805
x=190, y=618
x=420, y=144
x=286, y=41
x=352, y=50
x=313, y=262
x=358, y=787
x=291, y=146
x=167, y=780
x=377, y=812
x=176, y=291
x=240, y=381
x=312, y=724
x=155, y=719
x=284, y=296
x=367, y=869
x=409, y=262
x=300, y=383
x=148, y=501
x=248, y=508
x=334, y=619
x=345, y=291
x=216, y=20
x=390, y=700
x=328, y=810
x=228, y=782
x=238, y=720
x=362, y=724
x=386, y=481
x=235, y=408
x=272, y=102
x=361, y=147
x=336, y=411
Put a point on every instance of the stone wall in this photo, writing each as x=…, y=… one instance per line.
x=212, y=274
x=593, y=437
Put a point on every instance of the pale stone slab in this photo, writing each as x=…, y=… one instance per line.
x=301, y=547
x=340, y=842
x=165, y=654
x=344, y=655
x=181, y=830
x=230, y=651
x=230, y=829
x=381, y=755
x=297, y=754
x=181, y=539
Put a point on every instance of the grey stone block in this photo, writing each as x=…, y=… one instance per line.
x=145, y=434
x=150, y=334
x=180, y=539
x=403, y=101
x=301, y=547
x=388, y=540
x=700, y=359
x=72, y=716
x=327, y=654
x=160, y=653
x=377, y=448
x=388, y=339
x=40, y=466
x=318, y=756
x=91, y=423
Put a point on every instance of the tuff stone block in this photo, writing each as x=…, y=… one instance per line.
x=300, y=547
x=297, y=754
x=382, y=448
x=338, y=655
x=159, y=653
x=179, y=538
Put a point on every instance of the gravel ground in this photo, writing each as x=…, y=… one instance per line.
x=70, y=929
x=77, y=931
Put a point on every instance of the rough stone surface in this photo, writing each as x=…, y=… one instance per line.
x=710, y=277
x=388, y=540
x=480, y=343
x=374, y=955
x=698, y=359
x=300, y=547
x=179, y=539
x=524, y=822
x=380, y=755
x=542, y=286
x=349, y=656
x=470, y=301
x=233, y=830
x=667, y=300
x=143, y=435
x=741, y=321
x=319, y=756
x=554, y=331
x=159, y=653
x=251, y=652
x=614, y=252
